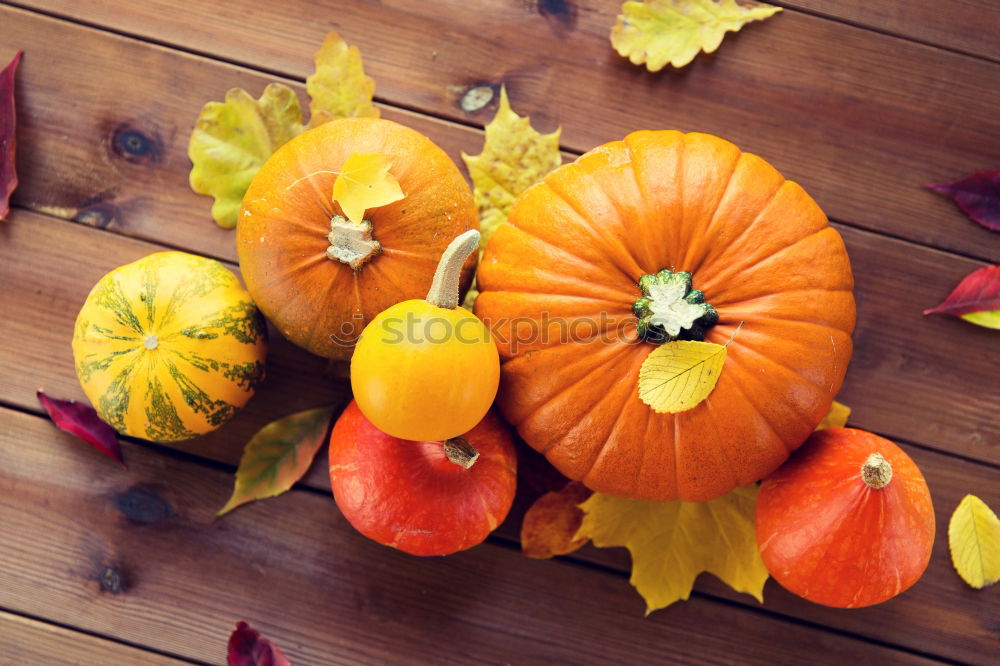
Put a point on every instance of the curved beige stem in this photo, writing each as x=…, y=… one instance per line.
x=444, y=289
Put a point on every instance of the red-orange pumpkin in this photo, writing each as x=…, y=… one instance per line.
x=847, y=522
x=760, y=251
x=424, y=498
x=322, y=300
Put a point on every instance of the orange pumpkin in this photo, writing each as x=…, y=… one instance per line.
x=560, y=285
x=320, y=279
x=847, y=522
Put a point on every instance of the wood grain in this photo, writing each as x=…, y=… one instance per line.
x=24, y=641
x=939, y=611
x=969, y=26
x=860, y=119
x=136, y=555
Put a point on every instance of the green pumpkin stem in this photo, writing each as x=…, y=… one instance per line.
x=669, y=309
x=444, y=289
x=459, y=451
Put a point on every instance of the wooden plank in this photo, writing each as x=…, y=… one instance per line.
x=909, y=379
x=27, y=641
x=72, y=114
x=176, y=580
x=940, y=610
x=860, y=119
x=969, y=26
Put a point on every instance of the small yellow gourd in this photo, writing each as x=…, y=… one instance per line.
x=426, y=369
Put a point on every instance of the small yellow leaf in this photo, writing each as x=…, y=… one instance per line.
x=364, y=182
x=678, y=375
x=233, y=139
x=278, y=455
x=836, y=417
x=656, y=32
x=339, y=87
x=671, y=543
x=974, y=539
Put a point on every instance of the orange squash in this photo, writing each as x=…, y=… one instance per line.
x=847, y=522
x=320, y=279
x=722, y=239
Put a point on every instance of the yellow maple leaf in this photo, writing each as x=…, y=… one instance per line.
x=836, y=417
x=339, y=87
x=671, y=543
x=233, y=139
x=974, y=540
x=515, y=156
x=678, y=375
x=364, y=182
x=656, y=32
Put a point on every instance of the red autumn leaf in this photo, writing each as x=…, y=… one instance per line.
x=248, y=648
x=550, y=525
x=977, y=195
x=976, y=298
x=82, y=421
x=8, y=177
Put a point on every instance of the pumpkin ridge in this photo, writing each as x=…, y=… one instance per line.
x=733, y=242
x=642, y=455
x=569, y=385
x=689, y=263
x=746, y=347
x=602, y=450
x=302, y=265
x=562, y=250
x=770, y=426
x=606, y=246
x=596, y=452
x=634, y=148
x=742, y=271
x=721, y=445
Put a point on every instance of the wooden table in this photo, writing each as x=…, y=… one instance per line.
x=859, y=101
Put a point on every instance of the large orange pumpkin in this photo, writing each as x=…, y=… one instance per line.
x=317, y=277
x=560, y=281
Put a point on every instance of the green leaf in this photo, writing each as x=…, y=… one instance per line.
x=339, y=87
x=657, y=32
x=278, y=455
x=671, y=543
x=678, y=375
x=233, y=139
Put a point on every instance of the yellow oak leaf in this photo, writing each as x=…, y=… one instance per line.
x=974, y=539
x=339, y=87
x=836, y=417
x=678, y=375
x=515, y=156
x=233, y=139
x=657, y=32
x=278, y=455
x=364, y=182
x=671, y=543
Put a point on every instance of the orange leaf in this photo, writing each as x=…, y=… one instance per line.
x=551, y=524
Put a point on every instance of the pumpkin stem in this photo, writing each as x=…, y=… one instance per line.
x=444, y=289
x=670, y=310
x=459, y=451
x=351, y=243
x=876, y=472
